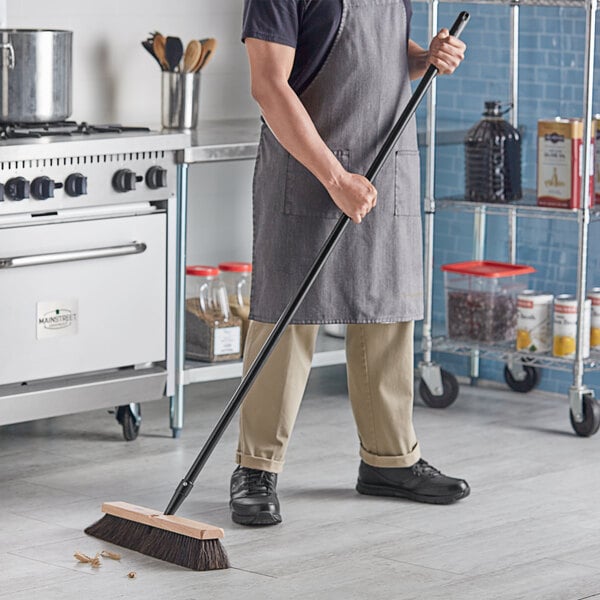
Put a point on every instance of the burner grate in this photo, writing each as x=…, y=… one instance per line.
x=61, y=128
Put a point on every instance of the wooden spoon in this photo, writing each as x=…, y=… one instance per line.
x=192, y=56
x=158, y=45
x=208, y=50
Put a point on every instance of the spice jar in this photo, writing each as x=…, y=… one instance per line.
x=213, y=333
x=237, y=277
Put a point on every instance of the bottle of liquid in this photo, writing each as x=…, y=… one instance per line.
x=493, y=158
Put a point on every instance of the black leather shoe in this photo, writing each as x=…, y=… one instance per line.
x=254, y=498
x=421, y=482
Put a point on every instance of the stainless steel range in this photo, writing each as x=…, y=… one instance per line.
x=87, y=254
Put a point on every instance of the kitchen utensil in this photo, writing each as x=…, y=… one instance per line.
x=149, y=47
x=208, y=49
x=36, y=75
x=158, y=45
x=173, y=52
x=191, y=58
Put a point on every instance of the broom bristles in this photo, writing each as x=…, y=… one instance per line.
x=192, y=553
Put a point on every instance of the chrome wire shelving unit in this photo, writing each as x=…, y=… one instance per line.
x=439, y=388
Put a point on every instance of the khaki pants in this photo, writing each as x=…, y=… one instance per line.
x=380, y=385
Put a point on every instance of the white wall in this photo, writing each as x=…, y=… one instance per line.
x=116, y=81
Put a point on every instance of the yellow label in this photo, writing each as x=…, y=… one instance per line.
x=595, y=337
x=564, y=345
x=523, y=339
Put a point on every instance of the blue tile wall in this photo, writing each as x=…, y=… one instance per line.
x=551, y=83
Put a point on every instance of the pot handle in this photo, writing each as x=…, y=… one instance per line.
x=11, y=54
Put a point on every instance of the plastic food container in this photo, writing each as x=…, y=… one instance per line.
x=212, y=333
x=237, y=277
x=481, y=299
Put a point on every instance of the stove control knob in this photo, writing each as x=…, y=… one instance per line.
x=76, y=185
x=156, y=178
x=42, y=188
x=1, y=193
x=124, y=180
x=17, y=188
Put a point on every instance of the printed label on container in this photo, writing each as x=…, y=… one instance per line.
x=227, y=341
x=594, y=297
x=57, y=318
x=565, y=328
x=534, y=325
x=560, y=163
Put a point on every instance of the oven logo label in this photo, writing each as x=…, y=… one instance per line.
x=57, y=318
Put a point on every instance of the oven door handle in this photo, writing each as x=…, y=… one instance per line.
x=71, y=255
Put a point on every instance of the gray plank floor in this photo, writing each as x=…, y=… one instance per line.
x=528, y=530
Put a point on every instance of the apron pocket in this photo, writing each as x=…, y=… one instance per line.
x=304, y=194
x=407, y=187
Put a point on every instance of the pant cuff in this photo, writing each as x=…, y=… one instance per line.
x=262, y=464
x=406, y=460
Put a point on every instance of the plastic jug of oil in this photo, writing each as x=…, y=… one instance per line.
x=493, y=158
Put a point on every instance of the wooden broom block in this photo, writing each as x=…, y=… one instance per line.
x=154, y=518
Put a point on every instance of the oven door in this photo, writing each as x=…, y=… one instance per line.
x=82, y=296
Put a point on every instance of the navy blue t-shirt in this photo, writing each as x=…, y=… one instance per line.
x=309, y=26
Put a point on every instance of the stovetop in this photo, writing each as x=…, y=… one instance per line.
x=25, y=142
x=61, y=128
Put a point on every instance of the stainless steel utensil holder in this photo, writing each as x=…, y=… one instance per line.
x=180, y=100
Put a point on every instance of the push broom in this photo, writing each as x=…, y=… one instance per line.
x=190, y=543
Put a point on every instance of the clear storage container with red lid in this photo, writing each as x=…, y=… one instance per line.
x=481, y=299
x=237, y=277
x=213, y=333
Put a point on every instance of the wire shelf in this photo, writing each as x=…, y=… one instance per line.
x=505, y=351
x=527, y=207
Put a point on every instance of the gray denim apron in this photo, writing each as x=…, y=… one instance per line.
x=374, y=275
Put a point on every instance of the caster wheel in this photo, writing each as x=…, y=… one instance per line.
x=532, y=377
x=591, y=418
x=448, y=395
x=130, y=425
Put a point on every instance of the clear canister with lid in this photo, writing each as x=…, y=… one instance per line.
x=213, y=333
x=237, y=277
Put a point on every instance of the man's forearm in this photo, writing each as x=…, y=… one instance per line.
x=417, y=60
x=292, y=126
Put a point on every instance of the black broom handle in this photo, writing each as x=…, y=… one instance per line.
x=185, y=486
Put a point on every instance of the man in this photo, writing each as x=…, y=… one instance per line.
x=331, y=77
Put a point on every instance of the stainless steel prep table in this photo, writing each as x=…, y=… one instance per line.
x=234, y=140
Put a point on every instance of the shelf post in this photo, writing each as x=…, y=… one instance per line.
x=578, y=390
x=429, y=201
x=514, y=118
x=177, y=400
